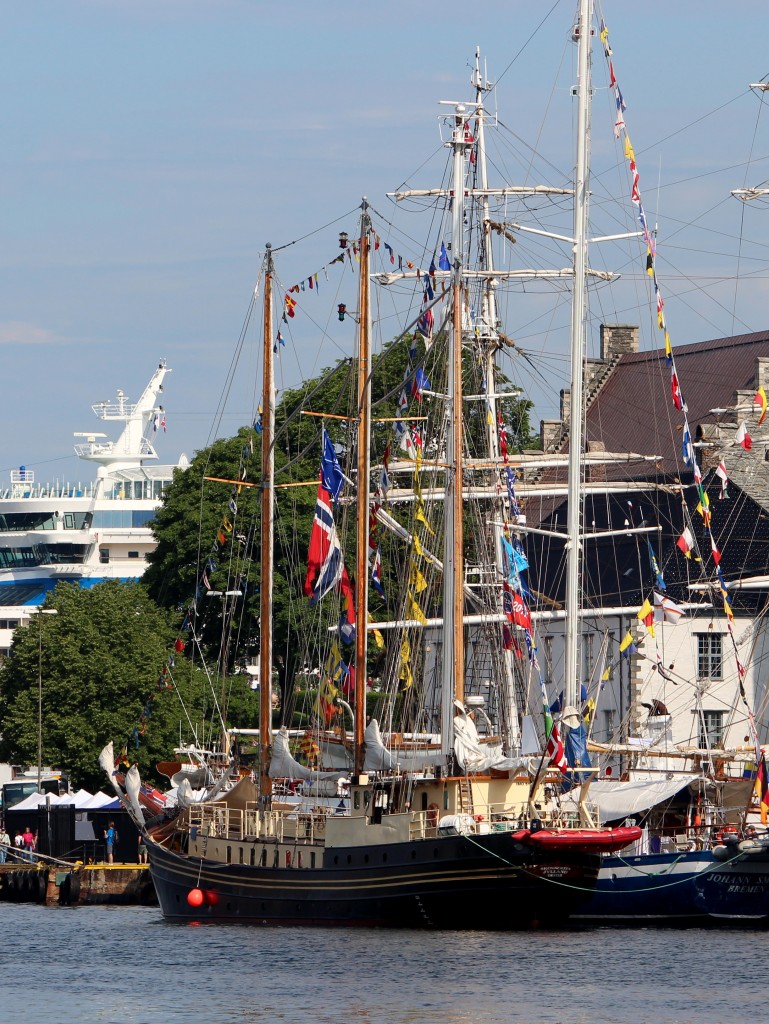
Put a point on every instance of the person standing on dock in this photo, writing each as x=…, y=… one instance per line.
x=29, y=842
x=110, y=837
x=5, y=842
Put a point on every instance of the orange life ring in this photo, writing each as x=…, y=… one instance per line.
x=432, y=815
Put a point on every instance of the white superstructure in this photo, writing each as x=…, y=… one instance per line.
x=84, y=532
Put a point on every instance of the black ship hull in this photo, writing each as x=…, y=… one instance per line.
x=487, y=882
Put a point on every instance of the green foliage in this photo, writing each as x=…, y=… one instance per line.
x=99, y=663
x=193, y=509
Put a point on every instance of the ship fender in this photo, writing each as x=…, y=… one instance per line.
x=752, y=846
x=721, y=852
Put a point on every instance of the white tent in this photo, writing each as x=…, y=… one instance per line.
x=34, y=800
x=93, y=803
x=82, y=801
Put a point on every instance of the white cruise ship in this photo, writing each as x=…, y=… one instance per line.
x=84, y=533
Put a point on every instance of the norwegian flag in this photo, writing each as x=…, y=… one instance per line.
x=556, y=752
x=324, y=561
x=376, y=574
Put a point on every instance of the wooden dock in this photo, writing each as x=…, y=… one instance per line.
x=77, y=884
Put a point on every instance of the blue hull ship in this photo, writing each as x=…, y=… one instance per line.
x=689, y=887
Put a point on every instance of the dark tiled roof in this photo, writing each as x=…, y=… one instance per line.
x=634, y=412
x=634, y=409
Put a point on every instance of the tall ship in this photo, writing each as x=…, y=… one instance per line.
x=85, y=533
x=441, y=820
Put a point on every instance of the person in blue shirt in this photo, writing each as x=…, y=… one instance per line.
x=110, y=837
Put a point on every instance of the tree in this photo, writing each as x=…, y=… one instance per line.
x=100, y=662
x=195, y=557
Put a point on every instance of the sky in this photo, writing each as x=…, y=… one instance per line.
x=151, y=148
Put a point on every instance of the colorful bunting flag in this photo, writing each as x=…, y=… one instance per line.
x=686, y=542
x=760, y=401
x=743, y=437
x=666, y=610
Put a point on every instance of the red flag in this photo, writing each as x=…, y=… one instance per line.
x=515, y=608
x=686, y=542
x=556, y=752
x=678, y=400
x=762, y=789
x=744, y=438
x=714, y=549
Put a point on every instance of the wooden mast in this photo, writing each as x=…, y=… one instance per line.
x=267, y=531
x=363, y=464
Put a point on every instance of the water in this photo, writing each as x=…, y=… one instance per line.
x=124, y=965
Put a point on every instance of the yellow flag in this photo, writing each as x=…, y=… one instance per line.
x=333, y=666
x=416, y=579
x=376, y=633
x=405, y=664
x=627, y=641
x=607, y=671
x=646, y=614
x=413, y=611
x=628, y=148
x=422, y=519
x=417, y=545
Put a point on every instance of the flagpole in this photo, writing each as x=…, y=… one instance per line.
x=363, y=466
x=453, y=655
x=267, y=531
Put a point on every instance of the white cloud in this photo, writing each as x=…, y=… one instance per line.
x=17, y=332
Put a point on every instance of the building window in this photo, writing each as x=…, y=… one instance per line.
x=587, y=655
x=133, y=554
x=712, y=729
x=709, y=656
x=608, y=725
x=548, y=644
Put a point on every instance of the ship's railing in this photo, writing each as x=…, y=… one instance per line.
x=23, y=489
x=149, y=489
x=95, y=449
x=218, y=821
x=485, y=818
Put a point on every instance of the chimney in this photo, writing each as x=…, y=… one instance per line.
x=549, y=433
x=597, y=473
x=617, y=340
x=565, y=405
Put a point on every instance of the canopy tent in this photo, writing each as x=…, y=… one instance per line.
x=81, y=801
x=617, y=799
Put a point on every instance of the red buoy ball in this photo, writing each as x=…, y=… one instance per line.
x=195, y=897
x=212, y=898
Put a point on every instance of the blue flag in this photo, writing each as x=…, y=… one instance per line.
x=443, y=263
x=330, y=470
